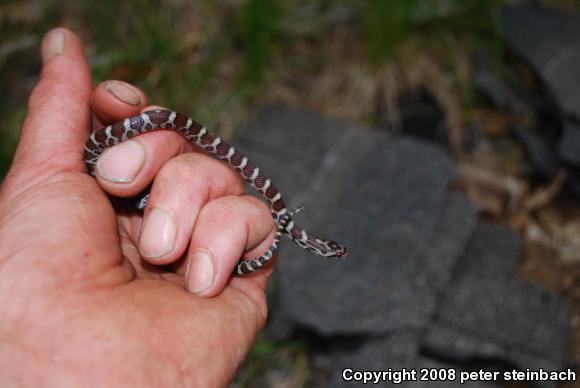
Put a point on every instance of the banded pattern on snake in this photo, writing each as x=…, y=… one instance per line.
x=195, y=133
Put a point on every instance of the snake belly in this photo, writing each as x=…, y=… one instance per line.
x=164, y=119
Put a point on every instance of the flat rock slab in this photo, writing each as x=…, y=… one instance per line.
x=391, y=284
x=549, y=39
x=423, y=274
x=489, y=312
x=398, y=353
x=290, y=145
x=387, y=199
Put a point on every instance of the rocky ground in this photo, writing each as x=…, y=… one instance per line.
x=462, y=257
x=429, y=282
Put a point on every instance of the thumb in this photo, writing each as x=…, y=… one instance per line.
x=57, y=123
x=51, y=213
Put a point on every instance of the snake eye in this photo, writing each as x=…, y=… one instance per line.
x=340, y=251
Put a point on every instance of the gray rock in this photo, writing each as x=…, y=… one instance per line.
x=416, y=277
x=489, y=312
x=541, y=155
x=385, y=209
x=289, y=145
x=387, y=199
x=397, y=353
x=549, y=39
x=492, y=87
x=569, y=145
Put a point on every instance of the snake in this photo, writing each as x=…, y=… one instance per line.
x=165, y=119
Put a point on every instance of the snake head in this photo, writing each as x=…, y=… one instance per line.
x=326, y=248
x=337, y=250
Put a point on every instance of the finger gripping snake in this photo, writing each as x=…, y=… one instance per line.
x=163, y=119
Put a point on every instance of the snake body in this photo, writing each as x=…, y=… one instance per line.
x=195, y=133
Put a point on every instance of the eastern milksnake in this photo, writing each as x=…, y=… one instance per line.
x=195, y=133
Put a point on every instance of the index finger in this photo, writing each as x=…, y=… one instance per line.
x=115, y=100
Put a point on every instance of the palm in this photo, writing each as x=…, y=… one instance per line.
x=81, y=306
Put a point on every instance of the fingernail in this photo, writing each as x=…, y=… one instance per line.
x=200, y=272
x=158, y=234
x=122, y=163
x=123, y=92
x=52, y=44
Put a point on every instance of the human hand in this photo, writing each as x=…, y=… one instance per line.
x=94, y=295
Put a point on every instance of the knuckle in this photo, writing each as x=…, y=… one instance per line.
x=223, y=214
x=180, y=168
x=257, y=208
x=182, y=171
x=227, y=209
x=234, y=212
x=194, y=169
x=243, y=214
x=47, y=94
x=42, y=92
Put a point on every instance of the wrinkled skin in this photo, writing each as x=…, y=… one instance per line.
x=82, y=302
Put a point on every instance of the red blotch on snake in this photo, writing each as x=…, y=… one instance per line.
x=158, y=116
x=180, y=120
x=248, y=170
x=100, y=136
x=260, y=181
x=207, y=138
x=136, y=123
x=278, y=205
x=222, y=149
x=117, y=130
x=271, y=192
x=236, y=159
